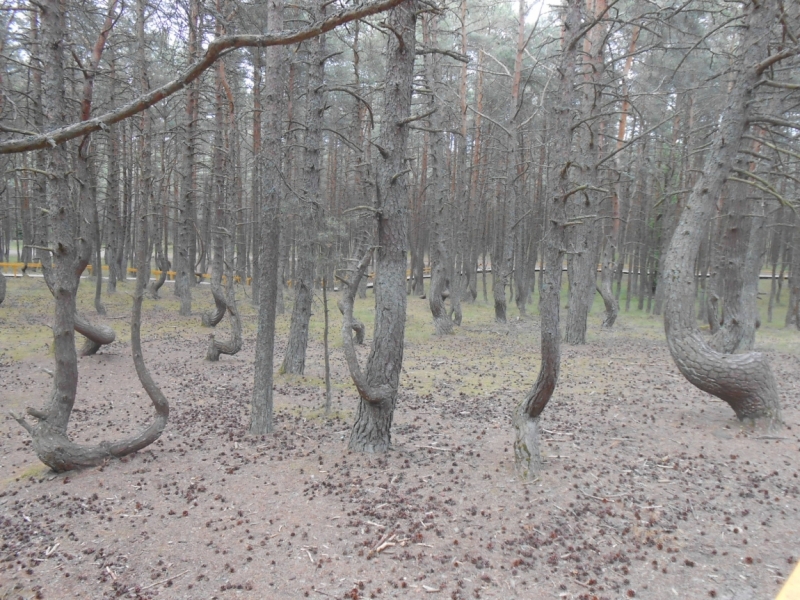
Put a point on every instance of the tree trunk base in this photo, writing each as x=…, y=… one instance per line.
x=744, y=381
x=152, y=289
x=527, y=455
x=500, y=312
x=216, y=348
x=360, y=330
x=371, y=432
x=59, y=453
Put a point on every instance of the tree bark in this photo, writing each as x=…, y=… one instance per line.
x=527, y=455
x=294, y=360
x=582, y=206
x=744, y=381
x=219, y=193
x=793, y=305
x=440, y=244
x=261, y=420
x=49, y=434
x=184, y=257
x=378, y=386
x=604, y=287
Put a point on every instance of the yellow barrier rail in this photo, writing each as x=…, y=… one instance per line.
x=19, y=266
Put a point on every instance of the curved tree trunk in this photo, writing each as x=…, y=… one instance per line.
x=49, y=434
x=234, y=344
x=527, y=455
x=604, y=287
x=213, y=317
x=377, y=386
x=218, y=179
x=744, y=381
x=163, y=266
x=96, y=336
x=740, y=309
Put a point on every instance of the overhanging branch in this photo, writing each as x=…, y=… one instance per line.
x=215, y=50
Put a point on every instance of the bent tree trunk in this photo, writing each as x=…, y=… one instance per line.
x=744, y=381
x=49, y=434
x=234, y=344
x=213, y=317
x=604, y=287
x=377, y=387
x=163, y=266
x=96, y=336
x=527, y=456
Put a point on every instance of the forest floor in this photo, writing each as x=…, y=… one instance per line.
x=651, y=489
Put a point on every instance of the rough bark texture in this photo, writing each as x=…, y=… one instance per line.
x=793, y=307
x=583, y=206
x=582, y=272
x=527, y=455
x=378, y=385
x=744, y=381
x=2, y=288
x=184, y=260
x=261, y=421
x=294, y=360
x=740, y=319
x=219, y=189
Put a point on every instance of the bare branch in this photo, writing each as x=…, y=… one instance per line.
x=413, y=118
x=214, y=52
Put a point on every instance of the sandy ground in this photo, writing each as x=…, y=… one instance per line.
x=651, y=489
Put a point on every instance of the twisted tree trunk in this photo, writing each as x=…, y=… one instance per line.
x=234, y=344
x=744, y=381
